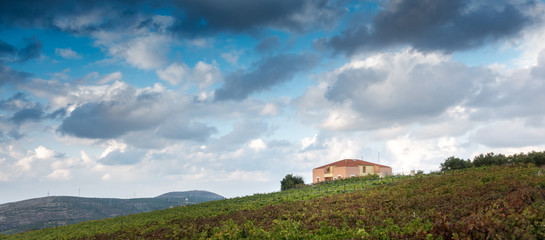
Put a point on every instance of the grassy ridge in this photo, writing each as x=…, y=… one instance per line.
x=492, y=202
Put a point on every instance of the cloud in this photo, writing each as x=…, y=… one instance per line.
x=26, y=110
x=509, y=134
x=267, y=44
x=17, y=101
x=28, y=114
x=60, y=174
x=128, y=109
x=70, y=16
x=513, y=93
x=266, y=73
x=31, y=50
x=146, y=52
x=202, y=74
x=10, y=53
x=174, y=73
x=242, y=16
x=115, y=76
x=119, y=110
x=6, y=50
x=231, y=57
x=180, y=130
x=392, y=88
x=123, y=157
x=192, y=18
x=241, y=133
x=67, y=53
x=429, y=25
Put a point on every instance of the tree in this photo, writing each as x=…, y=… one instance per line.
x=291, y=181
x=490, y=159
x=452, y=163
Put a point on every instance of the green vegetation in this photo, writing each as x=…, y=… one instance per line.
x=491, y=159
x=291, y=181
x=500, y=202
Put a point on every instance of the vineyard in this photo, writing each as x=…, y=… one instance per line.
x=501, y=202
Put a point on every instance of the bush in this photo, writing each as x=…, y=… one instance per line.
x=291, y=181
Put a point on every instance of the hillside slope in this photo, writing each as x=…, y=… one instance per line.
x=493, y=202
x=62, y=210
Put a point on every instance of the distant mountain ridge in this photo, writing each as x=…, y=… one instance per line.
x=54, y=211
x=195, y=194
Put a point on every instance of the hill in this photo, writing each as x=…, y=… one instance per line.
x=193, y=196
x=501, y=202
x=56, y=211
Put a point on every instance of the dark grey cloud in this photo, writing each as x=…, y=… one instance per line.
x=184, y=131
x=9, y=53
x=131, y=111
x=15, y=102
x=10, y=76
x=430, y=25
x=240, y=15
x=71, y=16
x=6, y=49
x=26, y=110
x=268, y=44
x=266, y=73
x=103, y=120
x=193, y=17
x=28, y=114
x=31, y=50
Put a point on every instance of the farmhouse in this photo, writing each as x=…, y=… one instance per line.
x=348, y=168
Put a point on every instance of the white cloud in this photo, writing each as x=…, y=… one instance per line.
x=175, y=73
x=201, y=42
x=202, y=74
x=410, y=154
x=389, y=89
x=206, y=74
x=43, y=153
x=67, y=53
x=60, y=174
x=149, y=52
x=231, y=57
x=257, y=144
x=270, y=109
x=510, y=133
x=115, y=76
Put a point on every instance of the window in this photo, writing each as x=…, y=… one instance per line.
x=339, y=177
x=352, y=175
x=318, y=179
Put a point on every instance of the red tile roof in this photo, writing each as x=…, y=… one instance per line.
x=351, y=163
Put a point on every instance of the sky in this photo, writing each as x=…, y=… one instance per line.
x=137, y=98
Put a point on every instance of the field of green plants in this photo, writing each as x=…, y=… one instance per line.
x=499, y=202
